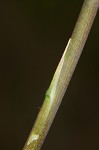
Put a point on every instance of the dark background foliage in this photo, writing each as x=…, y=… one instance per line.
x=33, y=35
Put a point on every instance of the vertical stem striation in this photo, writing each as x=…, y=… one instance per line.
x=62, y=76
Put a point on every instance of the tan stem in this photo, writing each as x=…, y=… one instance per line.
x=62, y=76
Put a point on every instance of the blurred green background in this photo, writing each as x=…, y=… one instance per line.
x=33, y=36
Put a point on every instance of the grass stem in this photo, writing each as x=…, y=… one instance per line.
x=62, y=76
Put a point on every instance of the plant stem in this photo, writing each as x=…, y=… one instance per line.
x=62, y=76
